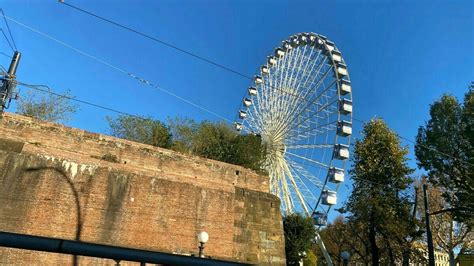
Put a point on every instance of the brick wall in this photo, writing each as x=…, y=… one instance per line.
x=54, y=182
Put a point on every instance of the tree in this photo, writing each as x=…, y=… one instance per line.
x=299, y=233
x=217, y=141
x=336, y=238
x=214, y=141
x=249, y=152
x=46, y=106
x=378, y=202
x=183, y=131
x=445, y=149
x=143, y=130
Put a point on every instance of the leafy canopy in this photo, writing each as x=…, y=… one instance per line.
x=378, y=203
x=213, y=140
x=46, y=106
x=445, y=149
x=299, y=233
x=143, y=130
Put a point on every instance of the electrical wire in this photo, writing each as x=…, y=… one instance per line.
x=146, y=82
x=141, y=80
x=6, y=38
x=158, y=41
x=4, y=54
x=205, y=59
x=50, y=91
x=9, y=31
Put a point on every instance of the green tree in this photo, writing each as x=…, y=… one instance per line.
x=217, y=141
x=299, y=233
x=143, y=130
x=336, y=238
x=377, y=202
x=249, y=152
x=183, y=131
x=445, y=149
x=214, y=141
x=46, y=106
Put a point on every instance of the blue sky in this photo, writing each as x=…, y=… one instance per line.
x=401, y=55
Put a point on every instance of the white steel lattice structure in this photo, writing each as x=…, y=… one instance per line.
x=301, y=106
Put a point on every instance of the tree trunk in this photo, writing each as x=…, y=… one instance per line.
x=374, y=250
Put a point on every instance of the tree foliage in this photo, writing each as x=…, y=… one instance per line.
x=378, y=204
x=445, y=149
x=212, y=140
x=46, y=106
x=299, y=233
x=143, y=130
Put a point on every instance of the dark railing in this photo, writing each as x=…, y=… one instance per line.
x=56, y=245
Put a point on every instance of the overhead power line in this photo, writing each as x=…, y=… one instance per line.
x=4, y=54
x=121, y=70
x=155, y=39
x=146, y=82
x=6, y=38
x=47, y=89
x=9, y=31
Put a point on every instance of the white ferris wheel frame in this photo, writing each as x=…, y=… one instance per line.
x=301, y=104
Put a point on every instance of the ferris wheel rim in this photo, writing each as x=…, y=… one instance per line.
x=334, y=64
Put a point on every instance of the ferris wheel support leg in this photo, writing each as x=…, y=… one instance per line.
x=323, y=249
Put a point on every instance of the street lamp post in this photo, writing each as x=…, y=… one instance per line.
x=203, y=237
x=345, y=255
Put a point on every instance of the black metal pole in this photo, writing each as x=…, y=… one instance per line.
x=7, y=86
x=431, y=257
x=201, y=247
x=118, y=254
x=14, y=64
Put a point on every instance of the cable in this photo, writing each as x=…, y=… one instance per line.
x=50, y=91
x=4, y=35
x=158, y=41
x=4, y=54
x=8, y=27
x=144, y=81
x=203, y=59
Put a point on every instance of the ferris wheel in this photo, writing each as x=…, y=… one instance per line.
x=301, y=106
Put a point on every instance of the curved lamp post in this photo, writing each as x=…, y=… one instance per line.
x=203, y=237
x=345, y=255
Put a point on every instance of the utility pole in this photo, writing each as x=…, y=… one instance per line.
x=8, y=84
x=431, y=257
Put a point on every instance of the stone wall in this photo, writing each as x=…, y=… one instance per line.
x=63, y=182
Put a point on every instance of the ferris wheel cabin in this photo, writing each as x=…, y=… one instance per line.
x=329, y=197
x=341, y=152
x=336, y=175
x=320, y=218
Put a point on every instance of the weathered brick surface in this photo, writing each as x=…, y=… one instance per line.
x=54, y=183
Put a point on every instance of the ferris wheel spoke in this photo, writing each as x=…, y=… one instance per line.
x=307, y=159
x=310, y=146
x=293, y=116
x=314, y=180
x=295, y=187
x=296, y=123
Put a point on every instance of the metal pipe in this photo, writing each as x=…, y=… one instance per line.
x=56, y=245
x=431, y=257
x=14, y=64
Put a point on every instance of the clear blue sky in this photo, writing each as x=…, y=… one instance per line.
x=402, y=55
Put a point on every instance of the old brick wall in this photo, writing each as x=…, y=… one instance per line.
x=55, y=182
